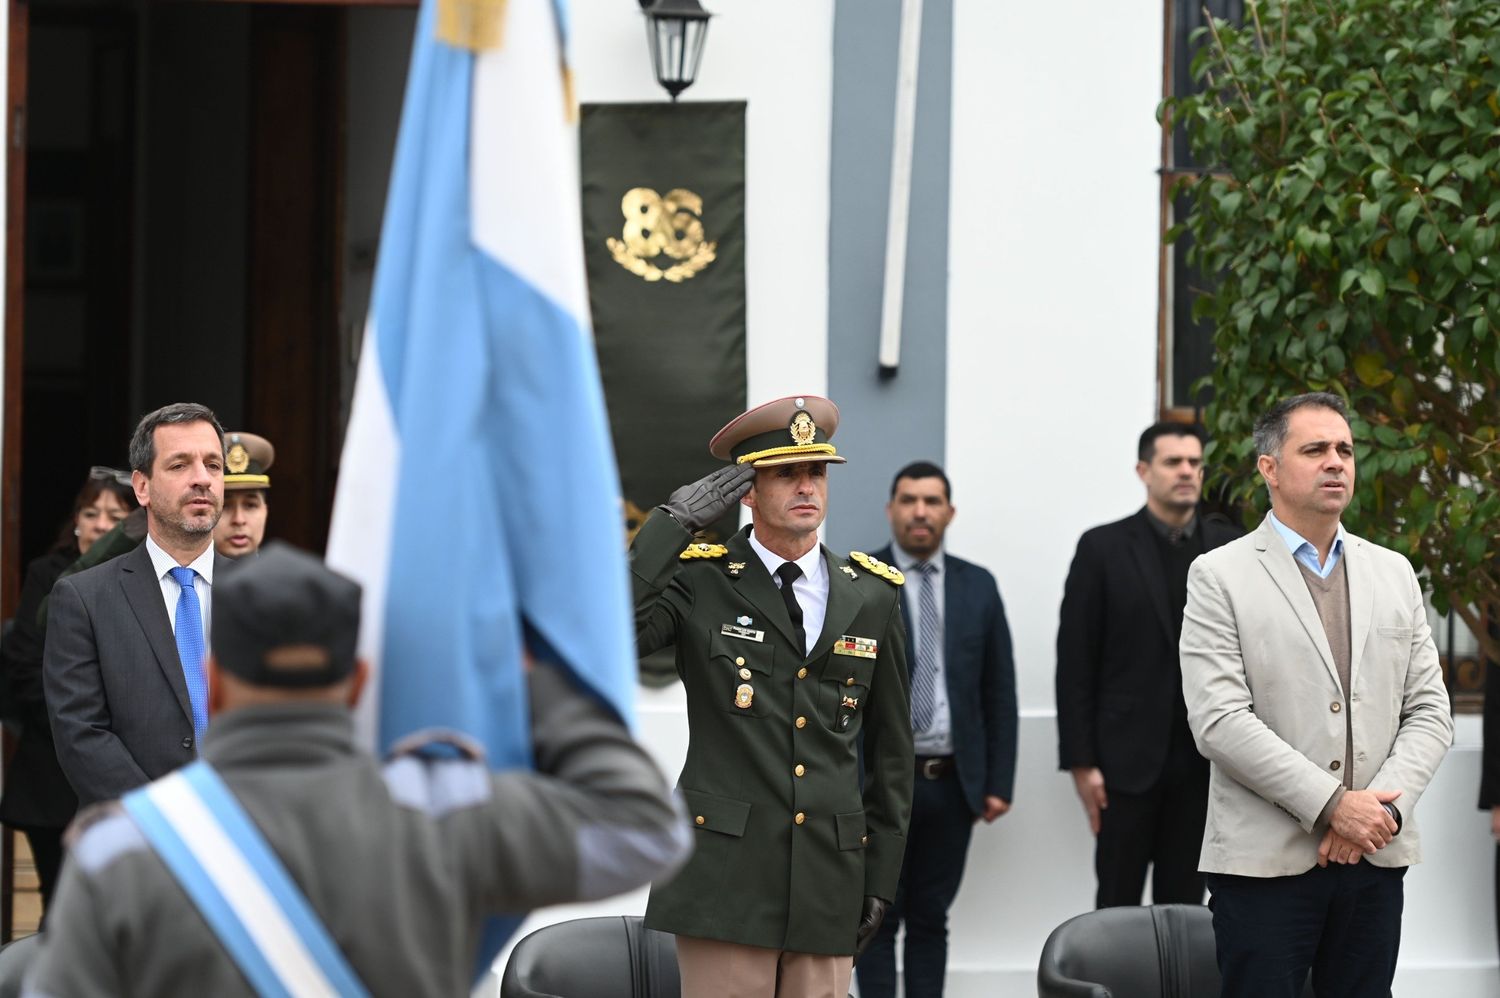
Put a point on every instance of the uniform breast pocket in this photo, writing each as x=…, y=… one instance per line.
x=739, y=672
x=845, y=688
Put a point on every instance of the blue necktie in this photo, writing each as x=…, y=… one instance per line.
x=929, y=634
x=190, y=648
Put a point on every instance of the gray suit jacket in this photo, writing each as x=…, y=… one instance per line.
x=116, y=696
x=1266, y=707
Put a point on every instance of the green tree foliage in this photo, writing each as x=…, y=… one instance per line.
x=1350, y=220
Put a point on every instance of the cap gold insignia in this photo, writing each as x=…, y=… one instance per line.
x=803, y=429
x=237, y=460
x=744, y=696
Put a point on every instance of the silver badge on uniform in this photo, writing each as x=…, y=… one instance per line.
x=743, y=633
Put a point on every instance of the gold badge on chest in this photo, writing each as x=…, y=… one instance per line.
x=744, y=696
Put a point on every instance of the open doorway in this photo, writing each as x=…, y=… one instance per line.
x=204, y=184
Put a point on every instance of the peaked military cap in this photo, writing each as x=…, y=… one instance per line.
x=283, y=618
x=247, y=457
x=787, y=430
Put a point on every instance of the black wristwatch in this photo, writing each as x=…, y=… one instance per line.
x=1390, y=809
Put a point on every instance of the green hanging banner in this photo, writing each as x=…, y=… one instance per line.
x=664, y=243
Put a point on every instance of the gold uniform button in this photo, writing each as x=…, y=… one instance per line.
x=864, y=840
x=744, y=673
x=800, y=818
x=801, y=722
x=698, y=820
x=1334, y=764
x=1335, y=706
x=739, y=661
x=849, y=681
x=800, y=770
x=802, y=673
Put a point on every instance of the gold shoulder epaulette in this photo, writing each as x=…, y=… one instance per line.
x=703, y=551
x=875, y=566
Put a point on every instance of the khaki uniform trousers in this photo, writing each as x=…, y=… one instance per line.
x=714, y=969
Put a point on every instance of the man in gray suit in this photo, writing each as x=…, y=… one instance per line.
x=1313, y=688
x=123, y=667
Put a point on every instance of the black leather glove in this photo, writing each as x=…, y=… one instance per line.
x=869, y=923
x=710, y=497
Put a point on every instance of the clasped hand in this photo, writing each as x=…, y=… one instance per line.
x=1359, y=826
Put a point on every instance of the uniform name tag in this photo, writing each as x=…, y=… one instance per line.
x=746, y=633
x=858, y=647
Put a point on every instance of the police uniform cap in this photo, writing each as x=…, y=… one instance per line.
x=283, y=618
x=247, y=457
x=788, y=430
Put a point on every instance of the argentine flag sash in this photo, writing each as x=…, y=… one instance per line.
x=239, y=885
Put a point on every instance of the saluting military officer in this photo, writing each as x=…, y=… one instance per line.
x=789, y=654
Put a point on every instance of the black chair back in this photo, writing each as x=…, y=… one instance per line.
x=1161, y=951
x=611, y=957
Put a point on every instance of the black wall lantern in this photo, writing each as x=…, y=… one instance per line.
x=675, y=29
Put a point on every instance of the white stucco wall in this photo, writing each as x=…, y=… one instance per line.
x=1052, y=354
x=780, y=65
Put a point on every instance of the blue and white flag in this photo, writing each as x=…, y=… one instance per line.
x=478, y=500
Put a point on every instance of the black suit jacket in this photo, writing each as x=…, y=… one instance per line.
x=37, y=795
x=980, y=677
x=1119, y=682
x=116, y=696
x=1489, y=771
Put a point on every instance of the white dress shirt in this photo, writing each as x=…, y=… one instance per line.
x=203, y=583
x=811, y=587
x=937, y=739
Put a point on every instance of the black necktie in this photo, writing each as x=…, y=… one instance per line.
x=789, y=573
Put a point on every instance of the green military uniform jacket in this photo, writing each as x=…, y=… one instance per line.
x=786, y=843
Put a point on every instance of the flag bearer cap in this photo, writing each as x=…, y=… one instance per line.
x=283, y=618
x=788, y=430
x=246, y=460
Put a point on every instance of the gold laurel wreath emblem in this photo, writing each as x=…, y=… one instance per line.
x=656, y=224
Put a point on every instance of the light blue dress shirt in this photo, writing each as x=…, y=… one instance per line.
x=1306, y=552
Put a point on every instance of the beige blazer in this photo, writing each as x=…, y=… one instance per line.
x=1267, y=710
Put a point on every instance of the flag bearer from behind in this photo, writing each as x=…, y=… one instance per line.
x=790, y=655
x=379, y=877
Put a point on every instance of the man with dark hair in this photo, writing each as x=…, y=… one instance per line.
x=1122, y=725
x=123, y=664
x=792, y=659
x=963, y=708
x=181, y=888
x=1313, y=687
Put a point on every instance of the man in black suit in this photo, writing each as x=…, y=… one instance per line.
x=963, y=727
x=1121, y=719
x=123, y=666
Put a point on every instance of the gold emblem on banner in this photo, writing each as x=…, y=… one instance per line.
x=655, y=225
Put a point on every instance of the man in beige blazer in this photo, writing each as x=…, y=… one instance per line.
x=1313, y=688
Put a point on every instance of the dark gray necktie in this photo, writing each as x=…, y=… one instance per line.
x=929, y=635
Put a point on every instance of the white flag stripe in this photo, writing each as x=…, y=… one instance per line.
x=241, y=887
x=530, y=221
x=364, y=510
